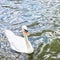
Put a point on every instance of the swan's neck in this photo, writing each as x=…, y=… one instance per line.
x=26, y=39
x=25, y=36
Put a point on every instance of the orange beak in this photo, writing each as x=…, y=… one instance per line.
x=27, y=33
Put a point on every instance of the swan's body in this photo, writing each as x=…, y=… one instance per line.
x=19, y=44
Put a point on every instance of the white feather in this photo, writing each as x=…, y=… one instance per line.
x=18, y=43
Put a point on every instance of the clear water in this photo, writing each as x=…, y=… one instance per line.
x=41, y=16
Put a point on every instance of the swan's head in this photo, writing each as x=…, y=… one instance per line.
x=25, y=29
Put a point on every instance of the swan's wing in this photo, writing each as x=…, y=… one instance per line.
x=20, y=44
x=17, y=43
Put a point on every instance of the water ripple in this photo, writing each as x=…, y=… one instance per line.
x=41, y=17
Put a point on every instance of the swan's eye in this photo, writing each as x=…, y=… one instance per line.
x=25, y=30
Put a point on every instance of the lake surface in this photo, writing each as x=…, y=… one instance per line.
x=41, y=17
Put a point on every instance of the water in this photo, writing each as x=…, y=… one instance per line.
x=41, y=17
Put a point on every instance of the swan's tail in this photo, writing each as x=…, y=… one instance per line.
x=9, y=34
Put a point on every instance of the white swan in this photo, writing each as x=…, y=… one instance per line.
x=19, y=44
